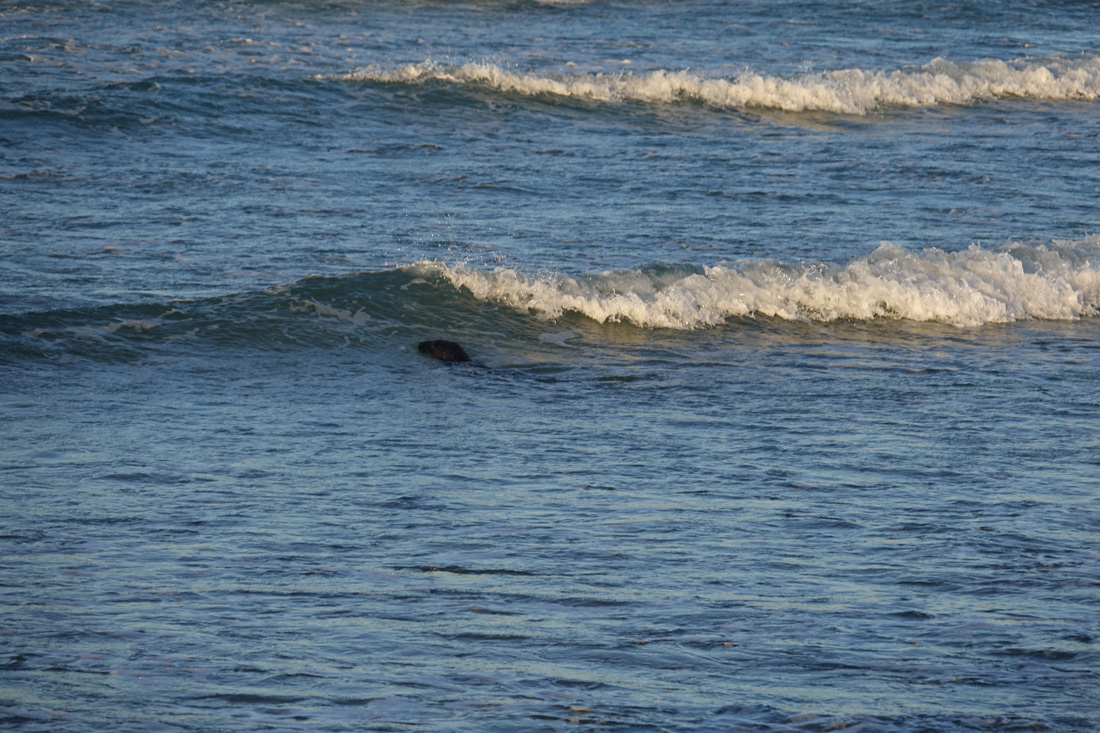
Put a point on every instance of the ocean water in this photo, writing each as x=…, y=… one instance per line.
x=784, y=407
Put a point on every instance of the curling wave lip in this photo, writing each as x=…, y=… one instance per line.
x=971, y=287
x=852, y=91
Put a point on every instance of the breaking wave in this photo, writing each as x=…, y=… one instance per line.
x=387, y=310
x=845, y=91
x=1056, y=281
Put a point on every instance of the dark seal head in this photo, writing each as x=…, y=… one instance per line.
x=443, y=350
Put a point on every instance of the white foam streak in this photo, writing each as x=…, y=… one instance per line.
x=1056, y=281
x=846, y=91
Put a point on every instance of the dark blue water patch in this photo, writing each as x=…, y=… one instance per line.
x=83, y=112
x=258, y=699
x=127, y=332
x=464, y=571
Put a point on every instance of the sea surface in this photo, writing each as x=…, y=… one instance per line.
x=784, y=405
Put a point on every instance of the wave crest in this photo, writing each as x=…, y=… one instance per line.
x=972, y=287
x=845, y=91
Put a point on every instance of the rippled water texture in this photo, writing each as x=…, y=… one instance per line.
x=793, y=523
x=782, y=411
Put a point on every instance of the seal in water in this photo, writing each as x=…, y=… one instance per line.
x=443, y=350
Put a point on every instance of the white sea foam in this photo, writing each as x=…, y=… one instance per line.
x=1055, y=281
x=845, y=91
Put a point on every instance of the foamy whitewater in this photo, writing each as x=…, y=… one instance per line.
x=783, y=406
x=845, y=91
x=969, y=288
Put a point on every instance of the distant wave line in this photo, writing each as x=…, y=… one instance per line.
x=846, y=91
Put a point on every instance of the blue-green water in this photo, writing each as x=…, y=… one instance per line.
x=783, y=413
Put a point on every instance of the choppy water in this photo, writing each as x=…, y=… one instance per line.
x=785, y=405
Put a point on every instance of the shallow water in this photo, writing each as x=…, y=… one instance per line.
x=782, y=415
